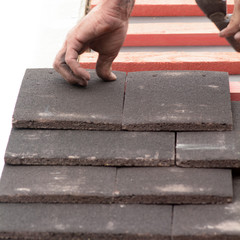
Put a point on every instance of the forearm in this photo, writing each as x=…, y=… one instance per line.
x=119, y=8
x=236, y=7
x=236, y=3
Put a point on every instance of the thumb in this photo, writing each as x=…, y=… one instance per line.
x=237, y=36
x=229, y=31
x=104, y=67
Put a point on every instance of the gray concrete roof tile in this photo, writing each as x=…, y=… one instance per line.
x=177, y=101
x=46, y=101
x=58, y=184
x=215, y=149
x=173, y=185
x=220, y=222
x=73, y=147
x=155, y=101
x=74, y=184
x=75, y=221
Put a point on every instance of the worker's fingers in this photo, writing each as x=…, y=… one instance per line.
x=230, y=30
x=71, y=58
x=237, y=36
x=104, y=67
x=61, y=67
x=70, y=77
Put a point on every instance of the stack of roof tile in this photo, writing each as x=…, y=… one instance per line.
x=149, y=156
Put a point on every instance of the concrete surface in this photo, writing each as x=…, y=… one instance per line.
x=215, y=149
x=80, y=221
x=208, y=222
x=73, y=147
x=173, y=185
x=39, y=37
x=190, y=101
x=46, y=100
x=98, y=185
x=177, y=101
x=57, y=184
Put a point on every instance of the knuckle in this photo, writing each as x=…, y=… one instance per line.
x=56, y=65
x=68, y=60
x=102, y=74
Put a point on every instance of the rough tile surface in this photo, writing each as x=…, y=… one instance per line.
x=177, y=101
x=80, y=221
x=173, y=185
x=73, y=147
x=51, y=184
x=218, y=222
x=215, y=149
x=47, y=101
x=57, y=184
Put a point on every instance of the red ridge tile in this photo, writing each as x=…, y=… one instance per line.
x=153, y=8
x=174, y=34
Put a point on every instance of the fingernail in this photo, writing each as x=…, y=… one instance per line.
x=112, y=77
x=82, y=85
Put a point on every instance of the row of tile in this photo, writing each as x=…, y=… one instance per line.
x=142, y=101
x=125, y=148
x=51, y=184
x=99, y=221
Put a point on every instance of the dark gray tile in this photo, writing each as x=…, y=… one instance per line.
x=177, y=101
x=215, y=222
x=57, y=184
x=80, y=221
x=47, y=101
x=173, y=185
x=215, y=149
x=51, y=184
x=72, y=147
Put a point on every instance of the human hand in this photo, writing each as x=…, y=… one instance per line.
x=233, y=28
x=103, y=31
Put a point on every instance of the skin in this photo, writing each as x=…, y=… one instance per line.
x=102, y=30
x=233, y=28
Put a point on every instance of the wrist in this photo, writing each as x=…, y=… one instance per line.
x=120, y=9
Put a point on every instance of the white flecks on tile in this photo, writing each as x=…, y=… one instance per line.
x=176, y=170
x=62, y=226
x=110, y=225
x=116, y=193
x=175, y=188
x=156, y=155
x=91, y=158
x=60, y=178
x=23, y=189
x=213, y=86
x=73, y=157
x=200, y=147
x=233, y=208
x=225, y=226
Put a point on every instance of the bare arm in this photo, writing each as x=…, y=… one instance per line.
x=103, y=30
